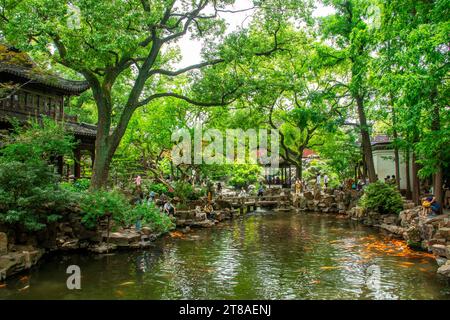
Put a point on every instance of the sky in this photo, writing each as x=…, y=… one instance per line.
x=191, y=48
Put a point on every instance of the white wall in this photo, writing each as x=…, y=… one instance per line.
x=385, y=165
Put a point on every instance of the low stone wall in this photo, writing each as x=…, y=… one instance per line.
x=330, y=201
x=71, y=235
x=14, y=259
x=431, y=234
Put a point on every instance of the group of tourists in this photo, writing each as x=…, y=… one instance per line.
x=163, y=201
x=301, y=185
x=390, y=180
x=431, y=206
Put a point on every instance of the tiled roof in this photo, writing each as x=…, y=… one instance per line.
x=83, y=129
x=20, y=64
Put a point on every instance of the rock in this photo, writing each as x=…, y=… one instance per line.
x=445, y=269
x=439, y=250
x=103, y=248
x=71, y=244
x=186, y=229
x=308, y=195
x=393, y=229
x=390, y=219
x=444, y=232
x=412, y=234
x=146, y=230
x=15, y=262
x=124, y=238
x=317, y=196
x=3, y=243
x=205, y=224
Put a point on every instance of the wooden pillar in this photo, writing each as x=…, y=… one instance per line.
x=77, y=163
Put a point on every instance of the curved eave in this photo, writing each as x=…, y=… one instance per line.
x=70, y=87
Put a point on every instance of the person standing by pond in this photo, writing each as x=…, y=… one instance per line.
x=138, y=181
x=169, y=209
x=151, y=197
x=260, y=190
x=325, y=181
x=219, y=188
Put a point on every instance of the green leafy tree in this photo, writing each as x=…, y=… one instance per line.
x=30, y=195
x=125, y=53
x=351, y=32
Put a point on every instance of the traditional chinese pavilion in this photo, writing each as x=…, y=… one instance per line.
x=26, y=92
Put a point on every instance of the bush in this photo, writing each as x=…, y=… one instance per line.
x=244, y=175
x=183, y=190
x=36, y=143
x=158, y=188
x=82, y=184
x=30, y=194
x=79, y=185
x=96, y=205
x=150, y=216
x=382, y=198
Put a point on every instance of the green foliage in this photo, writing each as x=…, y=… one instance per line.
x=158, y=188
x=30, y=194
x=150, y=216
x=82, y=184
x=35, y=142
x=185, y=191
x=79, y=185
x=382, y=198
x=95, y=205
x=317, y=166
x=244, y=175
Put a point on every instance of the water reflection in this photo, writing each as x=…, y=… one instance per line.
x=262, y=256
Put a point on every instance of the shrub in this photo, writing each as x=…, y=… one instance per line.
x=82, y=184
x=37, y=143
x=244, y=175
x=183, y=190
x=95, y=205
x=79, y=185
x=150, y=216
x=158, y=188
x=382, y=198
x=30, y=195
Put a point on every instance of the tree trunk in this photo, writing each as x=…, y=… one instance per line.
x=102, y=163
x=408, y=175
x=366, y=144
x=396, y=152
x=299, y=169
x=415, y=181
x=438, y=181
x=436, y=126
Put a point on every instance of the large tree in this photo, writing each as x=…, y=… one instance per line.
x=414, y=47
x=349, y=30
x=125, y=50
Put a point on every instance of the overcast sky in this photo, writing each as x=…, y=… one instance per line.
x=191, y=48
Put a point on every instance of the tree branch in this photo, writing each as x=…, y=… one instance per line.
x=184, y=70
x=181, y=97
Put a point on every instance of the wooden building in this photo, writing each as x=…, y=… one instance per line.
x=26, y=92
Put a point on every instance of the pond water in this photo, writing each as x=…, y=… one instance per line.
x=264, y=255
